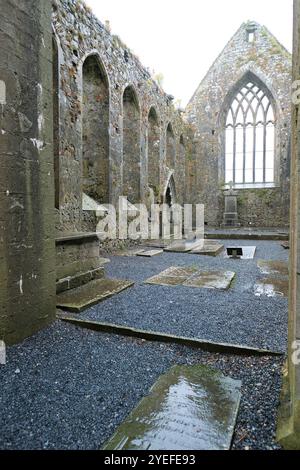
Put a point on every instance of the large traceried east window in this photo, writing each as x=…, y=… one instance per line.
x=250, y=138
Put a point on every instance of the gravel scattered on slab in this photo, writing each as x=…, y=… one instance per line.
x=236, y=316
x=70, y=388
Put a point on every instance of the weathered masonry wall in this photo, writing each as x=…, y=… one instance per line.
x=119, y=134
x=265, y=63
x=27, y=251
x=289, y=416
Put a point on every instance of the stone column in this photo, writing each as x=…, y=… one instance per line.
x=27, y=249
x=289, y=413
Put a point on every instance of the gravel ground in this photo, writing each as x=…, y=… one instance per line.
x=69, y=388
x=235, y=316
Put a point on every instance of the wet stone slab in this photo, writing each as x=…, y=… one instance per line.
x=209, y=249
x=185, y=246
x=150, y=253
x=271, y=287
x=211, y=280
x=77, y=300
x=130, y=253
x=273, y=267
x=189, y=408
x=192, y=277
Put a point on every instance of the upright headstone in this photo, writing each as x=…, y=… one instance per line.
x=230, y=218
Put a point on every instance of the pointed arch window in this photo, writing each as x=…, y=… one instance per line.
x=250, y=138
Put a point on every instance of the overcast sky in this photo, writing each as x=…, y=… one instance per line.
x=181, y=38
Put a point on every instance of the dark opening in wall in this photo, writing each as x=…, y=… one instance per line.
x=95, y=131
x=171, y=148
x=55, y=65
x=131, y=146
x=153, y=151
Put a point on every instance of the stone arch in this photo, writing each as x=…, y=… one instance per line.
x=131, y=146
x=56, y=121
x=170, y=148
x=95, y=129
x=235, y=90
x=153, y=151
x=170, y=195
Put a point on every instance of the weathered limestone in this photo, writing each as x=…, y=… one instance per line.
x=189, y=408
x=27, y=248
x=289, y=418
x=264, y=62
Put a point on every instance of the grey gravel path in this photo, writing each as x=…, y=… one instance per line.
x=69, y=388
x=235, y=316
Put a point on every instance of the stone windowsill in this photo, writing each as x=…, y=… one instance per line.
x=255, y=186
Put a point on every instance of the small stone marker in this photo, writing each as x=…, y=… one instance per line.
x=77, y=300
x=189, y=408
x=150, y=253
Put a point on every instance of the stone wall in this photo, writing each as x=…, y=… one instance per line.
x=27, y=256
x=127, y=150
x=264, y=62
x=289, y=416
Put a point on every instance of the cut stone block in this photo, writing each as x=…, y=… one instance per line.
x=77, y=300
x=185, y=246
x=150, y=253
x=209, y=249
x=130, y=253
x=189, y=408
x=172, y=276
x=273, y=267
x=211, y=280
x=271, y=287
x=248, y=252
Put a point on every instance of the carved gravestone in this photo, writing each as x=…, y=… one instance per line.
x=230, y=218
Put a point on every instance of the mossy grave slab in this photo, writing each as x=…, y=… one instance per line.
x=189, y=408
x=211, y=280
x=209, y=249
x=272, y=287
x=173, y=276
x=77, y=300
x=185, y=246
x=273, y=267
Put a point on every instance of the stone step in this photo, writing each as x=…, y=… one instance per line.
x=79, y=279
x=77, y=300
x=189, y=408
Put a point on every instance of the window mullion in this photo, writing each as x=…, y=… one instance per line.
x=244, y=152
x=254, y=151
x=265, y=151
x=234, y=153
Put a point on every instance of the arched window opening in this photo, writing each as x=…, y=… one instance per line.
x=171, y=148
x=250, y=138
x=95, y=177
x=131, y=146
x=153, y=151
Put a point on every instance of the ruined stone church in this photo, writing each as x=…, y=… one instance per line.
x=81, y=119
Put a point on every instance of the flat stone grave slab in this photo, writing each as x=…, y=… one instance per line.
x=189, y=408
x=185, y=246
x=211, y=280
x=271, y=287
x=77, y=300
x=130, y=253
x=192, y=277
x=273, y=267
x=161, y=243
x=173, y=276
x=150, y=253
x=209, y=249
x=248, y=252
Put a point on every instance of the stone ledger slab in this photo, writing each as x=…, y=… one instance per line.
x=150, y=253
x=209, y=249
x=77, y=300
x=185, y=246
x=189, y=408
x=273, y=267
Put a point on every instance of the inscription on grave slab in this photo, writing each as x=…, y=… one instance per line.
x=189, y=408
